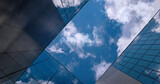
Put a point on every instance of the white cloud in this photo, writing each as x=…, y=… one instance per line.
x=124, y=10
x=75, y=81
x=55, y=48
x=100, y=69
x=157, y=28
x=71, y=65
x=133, y=14
x=111, y=40
x=76, y=40
x=98, y=40
x=45, y=82
x=32, y=81
x=28, y=70
x=67, y=3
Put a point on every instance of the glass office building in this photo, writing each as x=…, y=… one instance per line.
x=140, y=61
x=26, y=29
x=47, y=70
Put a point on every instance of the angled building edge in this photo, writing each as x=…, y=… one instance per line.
x=26, y=29
x=140, y=61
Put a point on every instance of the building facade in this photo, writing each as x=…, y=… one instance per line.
x=139, y=63
x=47, y=70
x=26, y=29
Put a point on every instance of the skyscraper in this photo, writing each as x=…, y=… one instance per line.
x=26, y=29
x=140, y=61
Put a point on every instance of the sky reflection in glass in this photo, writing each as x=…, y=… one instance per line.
x=98, y=34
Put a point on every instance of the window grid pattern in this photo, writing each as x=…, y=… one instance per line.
x=24, y=33
x=67, y=10
x=141, y=59
x=47, y=70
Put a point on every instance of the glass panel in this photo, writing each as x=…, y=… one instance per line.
x=144, y=56
x=45, y=70
x=64, y=77
x=145, y=80
x=68, y=8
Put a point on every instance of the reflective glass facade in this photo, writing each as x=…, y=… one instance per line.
x=46, y=69
x=69, y=8
x=26, y=29
x=141, y=59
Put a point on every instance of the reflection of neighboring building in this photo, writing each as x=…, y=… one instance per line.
x=26, y=29
x=140, y=62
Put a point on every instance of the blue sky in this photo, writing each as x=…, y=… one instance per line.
x=95, y=37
